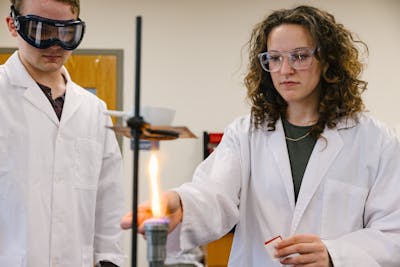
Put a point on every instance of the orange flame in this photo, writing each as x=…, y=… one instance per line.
x=156, y=204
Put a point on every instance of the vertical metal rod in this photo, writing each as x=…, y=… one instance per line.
x=138, y=63
x=136, y=136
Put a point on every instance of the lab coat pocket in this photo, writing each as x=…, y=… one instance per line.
x=11, y=260
x=343, y=208
x=88, y=163
x=87, y=256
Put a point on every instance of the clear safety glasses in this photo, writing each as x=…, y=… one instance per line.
x=42, y=32
x=299, y=59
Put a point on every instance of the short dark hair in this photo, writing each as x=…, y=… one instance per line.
x=75, y=5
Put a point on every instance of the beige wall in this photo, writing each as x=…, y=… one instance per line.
x=192, y=62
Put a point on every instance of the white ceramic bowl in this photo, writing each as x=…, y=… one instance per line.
x=158, y=115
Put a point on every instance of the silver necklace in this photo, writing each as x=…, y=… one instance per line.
x=298, y=138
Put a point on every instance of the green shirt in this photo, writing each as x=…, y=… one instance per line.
x=300, y=144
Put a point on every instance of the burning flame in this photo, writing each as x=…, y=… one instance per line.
x=156, y=204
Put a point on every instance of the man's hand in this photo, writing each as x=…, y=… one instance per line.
x=311, y=252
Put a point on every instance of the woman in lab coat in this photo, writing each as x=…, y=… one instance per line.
x=308, y=164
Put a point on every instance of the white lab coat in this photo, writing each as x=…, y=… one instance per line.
x=349, y=195
x=60, y=181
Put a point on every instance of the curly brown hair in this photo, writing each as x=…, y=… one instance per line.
x=338, y=54
x=75, y=5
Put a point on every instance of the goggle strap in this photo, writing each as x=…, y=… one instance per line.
x=13, y=15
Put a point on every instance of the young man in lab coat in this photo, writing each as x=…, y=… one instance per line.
x=60, y=168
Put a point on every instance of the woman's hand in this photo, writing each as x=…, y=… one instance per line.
x=174, y=212
x=311, y=252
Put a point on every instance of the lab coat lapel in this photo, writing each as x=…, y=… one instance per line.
x=73, y=99
x=20, y=78
x=37, y=98
x=325, y=151
x=277, y=143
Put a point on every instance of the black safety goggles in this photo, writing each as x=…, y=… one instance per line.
x=42, y=32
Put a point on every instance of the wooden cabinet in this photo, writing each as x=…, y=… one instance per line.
x=217, y=252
